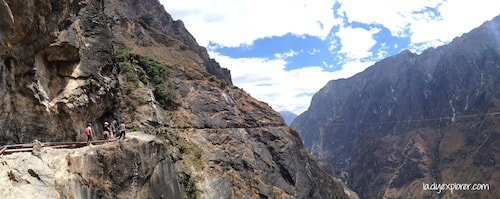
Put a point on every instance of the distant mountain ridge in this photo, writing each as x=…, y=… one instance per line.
x=288, y=116
x=412, y=119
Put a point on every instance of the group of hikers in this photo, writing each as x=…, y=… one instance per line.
x=106, y=132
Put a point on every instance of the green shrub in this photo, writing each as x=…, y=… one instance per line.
x=122, y=55
x=134, y=103
x=157, y=73
x=143, y=77
x=223, y=83
x=187, y=157
x=129, y=71
x=191, y=190
x=158, y=80
x=127, y=67
x=212, y=78
x=150, y=71
x=164, y=96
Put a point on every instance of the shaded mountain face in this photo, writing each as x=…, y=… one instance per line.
x=66, y=63
x=413, y=119
x=288, y=116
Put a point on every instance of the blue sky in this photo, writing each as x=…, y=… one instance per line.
x=284, y=51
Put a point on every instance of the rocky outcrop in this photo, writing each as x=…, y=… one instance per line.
x=245, y=148
x=66, y=63
x=267, y=162
x=129, y=17
x=135, y=168
x=56, y=68
x=58, y=60
x=412, y=119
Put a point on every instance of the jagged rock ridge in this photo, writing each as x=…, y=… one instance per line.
x=412, y=119
x=60, y=69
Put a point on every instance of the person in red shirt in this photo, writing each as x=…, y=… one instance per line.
x=88, y=132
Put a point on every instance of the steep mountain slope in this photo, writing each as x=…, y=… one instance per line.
x=288, y=116
x=66, y=63
x=413, y=119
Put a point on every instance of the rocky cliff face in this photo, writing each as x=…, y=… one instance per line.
x=413, y=119
x=65, y=63
x=135, y=168
x=56, y=70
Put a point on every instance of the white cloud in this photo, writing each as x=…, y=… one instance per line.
x=314, y=51
x=285, y=55
x=457, y=17
x=268, y=81
x=233, y=23
x=427, y=28
x=356, y=42
x=351, y=68
x=395, y=15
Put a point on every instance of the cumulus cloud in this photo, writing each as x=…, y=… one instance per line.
x=393, y=14
x=356, y=42
x=428, y=23
x=233, y=23
x=285, y=55
x=292, y=90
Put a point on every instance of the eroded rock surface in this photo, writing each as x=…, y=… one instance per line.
x=56, y=69
x=135, y=168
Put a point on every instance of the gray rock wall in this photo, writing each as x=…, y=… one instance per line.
x=135, y=168
x=56, y=69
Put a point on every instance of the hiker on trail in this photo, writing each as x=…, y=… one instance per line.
x=122, y=131
x=105, y=130
x=88, y=132
x=114, y=129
